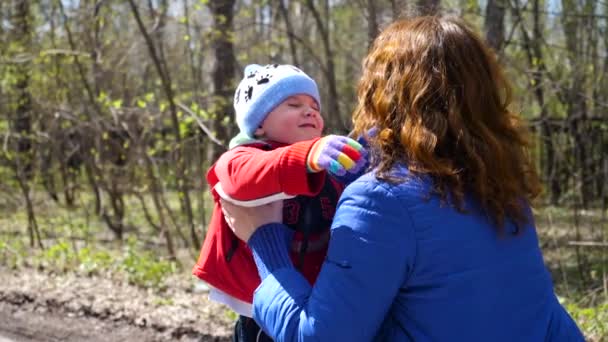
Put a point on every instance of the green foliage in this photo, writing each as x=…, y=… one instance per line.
x=231, y=315
x=63, y=257
x=13, y=253
x=160, y=301
x=143, y=268
x=93, y=261
x=59, y=256
x=592, y=320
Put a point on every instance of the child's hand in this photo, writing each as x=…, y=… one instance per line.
x=336, y=154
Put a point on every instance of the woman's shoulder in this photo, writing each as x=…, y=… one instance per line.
x=399, y=184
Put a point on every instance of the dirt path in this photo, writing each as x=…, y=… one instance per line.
x=19, y=325
x=36, y=306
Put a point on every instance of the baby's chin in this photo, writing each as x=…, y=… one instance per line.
x=297, y=135
x=310, y=135
x=301, y=137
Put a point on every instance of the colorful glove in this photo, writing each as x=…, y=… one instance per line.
x=336, y=154
x=363, y=139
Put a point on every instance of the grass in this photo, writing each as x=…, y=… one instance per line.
x=580, y=273
x=75, y=240
x=131, y=264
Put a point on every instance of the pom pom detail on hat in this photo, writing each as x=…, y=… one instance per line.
x=265, y=87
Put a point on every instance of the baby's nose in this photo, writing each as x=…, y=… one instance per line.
x=310, y=111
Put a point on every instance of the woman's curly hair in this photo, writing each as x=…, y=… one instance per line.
x=439, y=101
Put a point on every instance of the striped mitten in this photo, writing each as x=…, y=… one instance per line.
x=336, y=154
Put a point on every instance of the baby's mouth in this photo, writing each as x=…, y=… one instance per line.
x=308, y=125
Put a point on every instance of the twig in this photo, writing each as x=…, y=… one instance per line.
x=588, y=243
x=66, y=52
x=200, y=124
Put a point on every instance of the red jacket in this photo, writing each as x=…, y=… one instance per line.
x=253, y=175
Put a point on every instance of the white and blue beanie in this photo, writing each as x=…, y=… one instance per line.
x=265, y=87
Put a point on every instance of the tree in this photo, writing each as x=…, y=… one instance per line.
x=21, y=157
x=291, y=37
x=536, y=64
x=494, y=23
x=224, y=71
x=22, y=121
x=180, y=169
x=429, y=7
x=329, y=70
x=372, y=22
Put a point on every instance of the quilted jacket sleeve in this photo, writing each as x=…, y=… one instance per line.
x=371, y=253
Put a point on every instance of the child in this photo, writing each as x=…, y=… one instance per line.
x=278, y=155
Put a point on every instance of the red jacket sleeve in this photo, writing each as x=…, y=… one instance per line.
x=248, y=173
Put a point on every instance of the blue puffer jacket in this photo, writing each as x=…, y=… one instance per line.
x=402, y=266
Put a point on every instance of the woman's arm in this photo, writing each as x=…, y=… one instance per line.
x=371, y=253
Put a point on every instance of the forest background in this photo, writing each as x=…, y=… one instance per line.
x=112, y=110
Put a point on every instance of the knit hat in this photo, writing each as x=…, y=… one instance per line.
x=265, y=87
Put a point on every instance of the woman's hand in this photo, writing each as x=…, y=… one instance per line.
x=245, y=221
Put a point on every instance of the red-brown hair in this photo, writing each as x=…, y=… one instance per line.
x=439, y=100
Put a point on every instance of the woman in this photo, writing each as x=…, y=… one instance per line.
x=437, y=242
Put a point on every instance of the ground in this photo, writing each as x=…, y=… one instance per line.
x=37, y=306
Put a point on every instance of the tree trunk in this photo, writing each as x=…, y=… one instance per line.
x=156, y=192
x=372, y=22
x=290, y=33
x=32, y=225
x=22, y=122
x=333, y=111
x=22, y=118
x=602, y=100
x=538, y=65
x=195, y=68
x=494, y=24
x=180, y=169
x=397, y=8
x=576, y=98
x=429, y=7
x=592, y=67
x=535, y=58
x=223, y=74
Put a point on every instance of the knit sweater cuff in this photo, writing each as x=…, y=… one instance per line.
x=270, y=247
x=294, y=176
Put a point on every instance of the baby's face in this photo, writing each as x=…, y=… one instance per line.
x=295, y=119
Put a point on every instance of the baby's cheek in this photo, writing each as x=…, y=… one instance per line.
x=292, y=123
